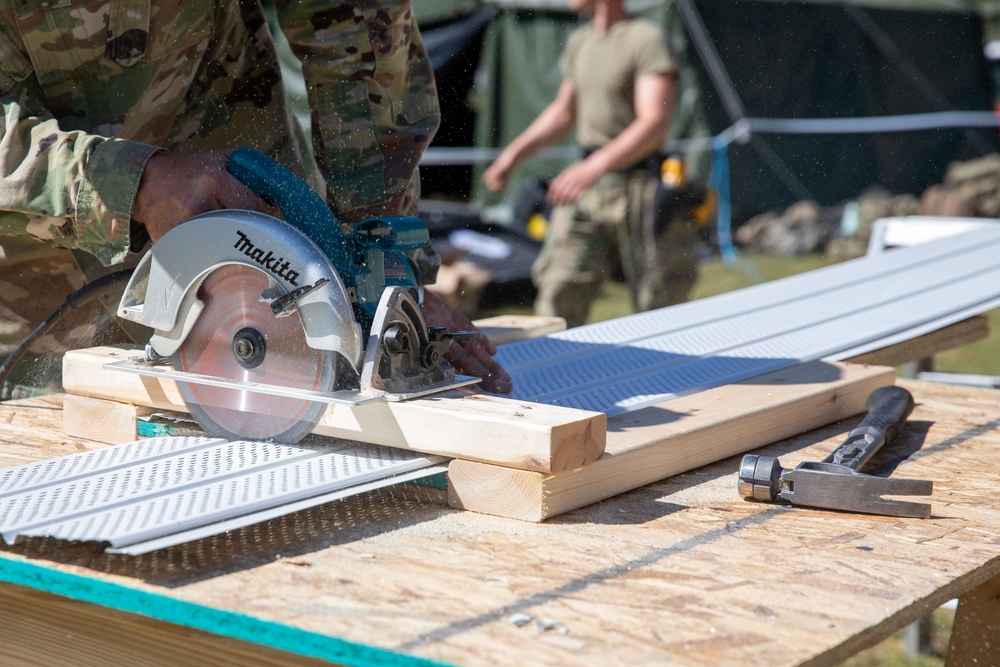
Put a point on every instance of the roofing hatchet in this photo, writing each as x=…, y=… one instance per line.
x=836, y=482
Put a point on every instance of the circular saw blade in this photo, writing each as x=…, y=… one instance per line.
x=237, y=337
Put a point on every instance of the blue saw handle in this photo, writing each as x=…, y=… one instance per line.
x=299, y=203
x=361, y=258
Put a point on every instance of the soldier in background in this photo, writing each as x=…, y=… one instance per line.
x=118, y=118
x=618, y=85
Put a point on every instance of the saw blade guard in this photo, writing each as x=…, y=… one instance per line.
x=163, y=291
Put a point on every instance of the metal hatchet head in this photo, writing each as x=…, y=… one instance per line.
x=831, y=486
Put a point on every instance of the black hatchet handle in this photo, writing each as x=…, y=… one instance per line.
x=888, y=408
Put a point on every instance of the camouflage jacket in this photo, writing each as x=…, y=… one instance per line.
x=92, y=88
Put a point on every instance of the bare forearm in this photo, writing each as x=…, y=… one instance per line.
x=642, y=137
x=550, y=127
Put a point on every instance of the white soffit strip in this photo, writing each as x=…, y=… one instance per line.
x=131, y=496
x=830, y=313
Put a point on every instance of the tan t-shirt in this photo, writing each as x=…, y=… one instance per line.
x=604, y=69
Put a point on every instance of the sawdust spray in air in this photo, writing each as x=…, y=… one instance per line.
x=87, y=319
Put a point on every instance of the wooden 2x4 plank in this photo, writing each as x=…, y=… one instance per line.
x=502, y=329
x=950, y=337
x=499, y=431
x=644, y=447
x=651, y=444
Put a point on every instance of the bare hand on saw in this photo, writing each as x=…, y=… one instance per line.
x=176, y=187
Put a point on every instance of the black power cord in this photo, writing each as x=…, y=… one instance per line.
x=104, y=286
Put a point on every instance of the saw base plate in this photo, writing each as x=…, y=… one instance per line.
x=351, y=397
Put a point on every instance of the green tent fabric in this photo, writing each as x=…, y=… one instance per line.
x=804, y=59
x=429, y=12
x=495, y=75
x=520, y=61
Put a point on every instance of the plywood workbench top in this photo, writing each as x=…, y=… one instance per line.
x=679, y=572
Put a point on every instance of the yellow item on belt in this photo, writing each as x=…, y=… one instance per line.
x=672, y=171
x=537, y=224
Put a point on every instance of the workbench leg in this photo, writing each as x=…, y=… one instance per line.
x=975, y=636
x=919, y=637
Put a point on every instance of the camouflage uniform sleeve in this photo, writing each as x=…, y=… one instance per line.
x=72, y=189
x=374, y=105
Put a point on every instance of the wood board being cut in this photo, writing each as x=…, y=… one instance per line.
x=681, y=572
x=453, y=424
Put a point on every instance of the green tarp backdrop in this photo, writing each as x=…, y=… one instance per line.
x=842, y=61
x=496, y=63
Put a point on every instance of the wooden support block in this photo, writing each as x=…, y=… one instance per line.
x=975, y=633
x=947, y=338
x=100, y=420
x=650, y=444
x=481, y=428
x=460, y=284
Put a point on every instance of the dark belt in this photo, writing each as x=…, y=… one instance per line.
x=650, y=163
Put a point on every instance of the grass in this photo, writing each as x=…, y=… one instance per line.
x=714, y=277
x=892, y=651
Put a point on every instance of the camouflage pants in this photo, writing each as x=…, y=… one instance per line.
x=35, y=279
x=611, y=226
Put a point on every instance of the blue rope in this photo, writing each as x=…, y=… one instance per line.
x=723, y=215
x=723, y=220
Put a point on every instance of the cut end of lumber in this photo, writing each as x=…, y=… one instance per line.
x=580, y=443
x=489, y=489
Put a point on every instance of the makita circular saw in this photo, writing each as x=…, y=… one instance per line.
x=264, y=322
